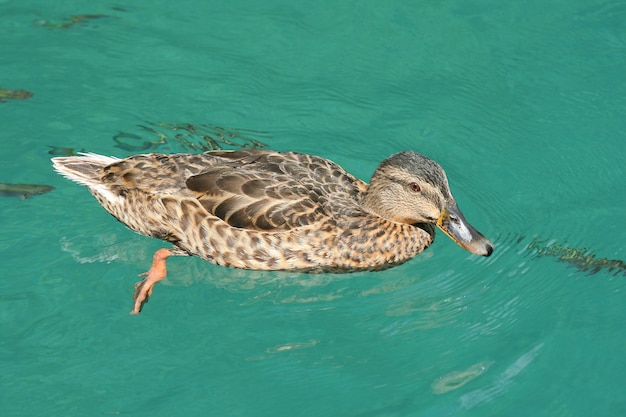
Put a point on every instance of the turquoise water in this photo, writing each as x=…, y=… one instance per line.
x=522, y=103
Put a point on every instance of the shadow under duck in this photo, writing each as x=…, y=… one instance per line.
x=267, y=210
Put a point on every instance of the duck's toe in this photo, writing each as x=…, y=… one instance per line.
x=157, y=272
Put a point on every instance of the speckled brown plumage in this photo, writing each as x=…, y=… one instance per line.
x=260, y=209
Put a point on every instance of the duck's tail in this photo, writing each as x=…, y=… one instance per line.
x=84, y=169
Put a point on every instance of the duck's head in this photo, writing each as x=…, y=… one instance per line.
x=410, y=188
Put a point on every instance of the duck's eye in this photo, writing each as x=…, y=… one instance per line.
x=415, y=187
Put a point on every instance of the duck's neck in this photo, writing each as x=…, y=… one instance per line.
x=374, y=202
x=375, y=199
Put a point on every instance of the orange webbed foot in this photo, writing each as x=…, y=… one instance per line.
x=157, y=272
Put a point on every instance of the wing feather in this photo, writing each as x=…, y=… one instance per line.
x=249, y=189
x=272, y=191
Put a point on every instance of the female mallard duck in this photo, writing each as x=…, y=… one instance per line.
x=261, y=209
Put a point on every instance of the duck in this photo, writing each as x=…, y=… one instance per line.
x=271, y=210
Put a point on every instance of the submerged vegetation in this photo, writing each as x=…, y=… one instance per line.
x=582, y=259
x=165, y=137
x=68, y=22
x=188, y=137
x=23, y=191
x=6, y=94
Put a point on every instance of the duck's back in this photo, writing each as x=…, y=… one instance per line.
x=250, y=189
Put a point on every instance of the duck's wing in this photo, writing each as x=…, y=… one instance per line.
x=272, y=191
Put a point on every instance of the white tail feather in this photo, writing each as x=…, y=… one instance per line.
x=83, y=169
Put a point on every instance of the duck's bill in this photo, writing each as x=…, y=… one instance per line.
x=453, y=223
